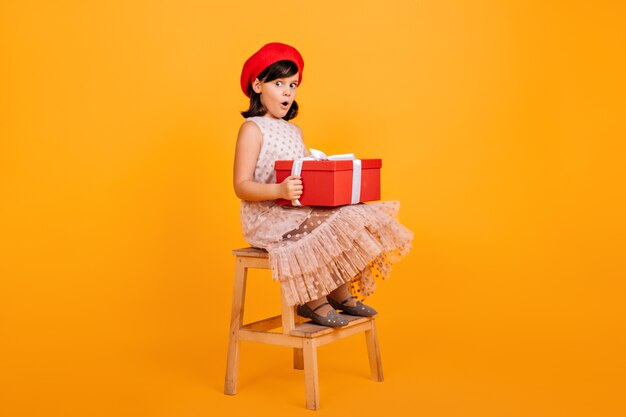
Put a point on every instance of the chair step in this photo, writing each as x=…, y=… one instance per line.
x=309, y=329
x=303, y=327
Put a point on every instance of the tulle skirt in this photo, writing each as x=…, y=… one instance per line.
x=331, y=246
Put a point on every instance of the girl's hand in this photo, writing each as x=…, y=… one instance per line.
x=291, y=188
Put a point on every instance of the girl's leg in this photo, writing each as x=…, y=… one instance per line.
x=315, y=303
x=341, y=293
x=342, y=299
x=321, y=312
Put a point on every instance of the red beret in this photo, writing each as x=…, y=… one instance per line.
x=266, y=56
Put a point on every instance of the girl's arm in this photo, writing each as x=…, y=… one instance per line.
x=249, y=143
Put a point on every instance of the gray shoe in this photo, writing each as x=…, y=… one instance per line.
x=332, y=318
x=359, y=309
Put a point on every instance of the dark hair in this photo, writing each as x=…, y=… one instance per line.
x=280, y=69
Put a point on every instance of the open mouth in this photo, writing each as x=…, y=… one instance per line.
x=285, y=103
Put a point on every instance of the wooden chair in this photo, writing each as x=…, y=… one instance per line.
x=303, y=337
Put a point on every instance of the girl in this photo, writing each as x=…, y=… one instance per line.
x=323, y=257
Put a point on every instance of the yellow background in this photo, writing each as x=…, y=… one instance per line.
x=501, y=125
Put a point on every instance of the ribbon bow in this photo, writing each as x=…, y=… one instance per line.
x=317, y=155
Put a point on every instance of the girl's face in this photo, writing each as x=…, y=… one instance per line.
x=277, y=95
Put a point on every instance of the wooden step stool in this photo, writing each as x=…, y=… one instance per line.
x=303, y=337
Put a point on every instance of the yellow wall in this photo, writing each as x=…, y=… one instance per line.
x=501, y=126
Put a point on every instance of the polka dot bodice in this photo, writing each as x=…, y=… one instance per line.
x=281, y=140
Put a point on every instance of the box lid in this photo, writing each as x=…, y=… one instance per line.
x=343, y=165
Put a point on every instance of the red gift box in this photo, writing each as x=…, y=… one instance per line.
x=329, y=183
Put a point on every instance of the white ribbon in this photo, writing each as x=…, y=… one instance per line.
x=316, y=155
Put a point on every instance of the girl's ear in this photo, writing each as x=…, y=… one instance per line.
x=256, y=86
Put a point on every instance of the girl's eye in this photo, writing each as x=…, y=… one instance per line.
x=279, y=83
x=293, y=85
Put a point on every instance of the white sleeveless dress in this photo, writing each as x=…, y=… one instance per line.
x=313, y=250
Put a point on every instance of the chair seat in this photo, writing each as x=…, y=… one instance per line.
x=251, y=252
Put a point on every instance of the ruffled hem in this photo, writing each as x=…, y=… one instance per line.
x=353, y=243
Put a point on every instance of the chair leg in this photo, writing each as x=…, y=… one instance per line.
x=310, y=374
x=373, y=351
x=289, y=322
x=236, y=321
x=298, y=358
